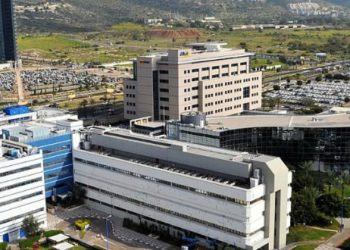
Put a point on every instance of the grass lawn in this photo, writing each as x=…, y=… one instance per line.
x=303, y=233
x=305, y=247
x=134, y=40
x=335, y=225
x=265, y=62
x=48, y=42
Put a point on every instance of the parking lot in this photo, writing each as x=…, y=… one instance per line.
x=326, y=93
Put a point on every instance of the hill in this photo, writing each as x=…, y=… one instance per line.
x=87, y=15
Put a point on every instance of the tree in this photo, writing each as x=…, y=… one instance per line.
x=304, y=209
x=329, y=204
x=299, y=82
x=276, y=87
x=347, y=99
x=318, y=78
x=31, y=226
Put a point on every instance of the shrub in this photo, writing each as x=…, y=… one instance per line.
x=51, y=233
x=28, y=243
x=323, y=220
x=3, y=245
x=82, y=223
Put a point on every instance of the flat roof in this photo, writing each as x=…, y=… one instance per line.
x=219, y=153
x=286, y=121
x=63, y=246
x=58, y=238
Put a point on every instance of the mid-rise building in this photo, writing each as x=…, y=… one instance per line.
x=323, y=139
x=22, y=189
x=8, y=45
x=55, y=133
x=239, y=199
x=205, y=77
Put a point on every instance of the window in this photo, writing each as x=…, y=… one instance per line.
x=205, y=78
x=216, y=76
x=195, y=79
x=195, y=70
x=225, y=74
x=48, y=151
x=164, y=108
x=215, y=67
x=164, y=90
x=51, y=163
x=195, y=88
x=205, y=69
x=21, y=184
x=246, y=92
x=164, y=99
x=164, y=81
x=225, y=66
x=20, y=170
x=164, y=72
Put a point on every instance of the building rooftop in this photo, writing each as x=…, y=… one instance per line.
x=235, y=167
x=10, y=150
x=286, y=121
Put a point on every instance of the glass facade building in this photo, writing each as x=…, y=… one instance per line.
x=327, y=146
x=8, y=50
x=58, y=163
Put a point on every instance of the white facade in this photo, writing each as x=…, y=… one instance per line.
x=210, y=192
x=22, y=190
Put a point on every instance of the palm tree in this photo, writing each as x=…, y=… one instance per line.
x=332, y=179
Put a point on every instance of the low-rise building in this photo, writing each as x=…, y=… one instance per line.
x=322, y=139
x=239, y=199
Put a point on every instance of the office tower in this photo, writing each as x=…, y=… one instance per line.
x=205, y=77
x=8, y=46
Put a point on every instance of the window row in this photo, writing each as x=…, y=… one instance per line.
x=19, y=170
x=191, y=189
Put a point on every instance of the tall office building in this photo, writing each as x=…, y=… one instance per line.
x=8, y=46
x=205, y=77
x=221, y=196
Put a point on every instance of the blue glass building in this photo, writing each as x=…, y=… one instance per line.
x=57, y=153
x=58, y=165
x=8, y=48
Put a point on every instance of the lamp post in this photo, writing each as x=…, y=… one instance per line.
x=107, y=231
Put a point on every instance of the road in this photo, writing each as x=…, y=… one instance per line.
x=19, y=84
x=268, y=84
x=119, y=237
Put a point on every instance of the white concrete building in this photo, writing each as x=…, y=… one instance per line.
x=205, y=77
x=21, y=188
x=235, y=198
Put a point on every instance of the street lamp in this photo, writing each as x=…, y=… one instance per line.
x=107, y=245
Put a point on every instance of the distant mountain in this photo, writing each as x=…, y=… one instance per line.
x=81, y=15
